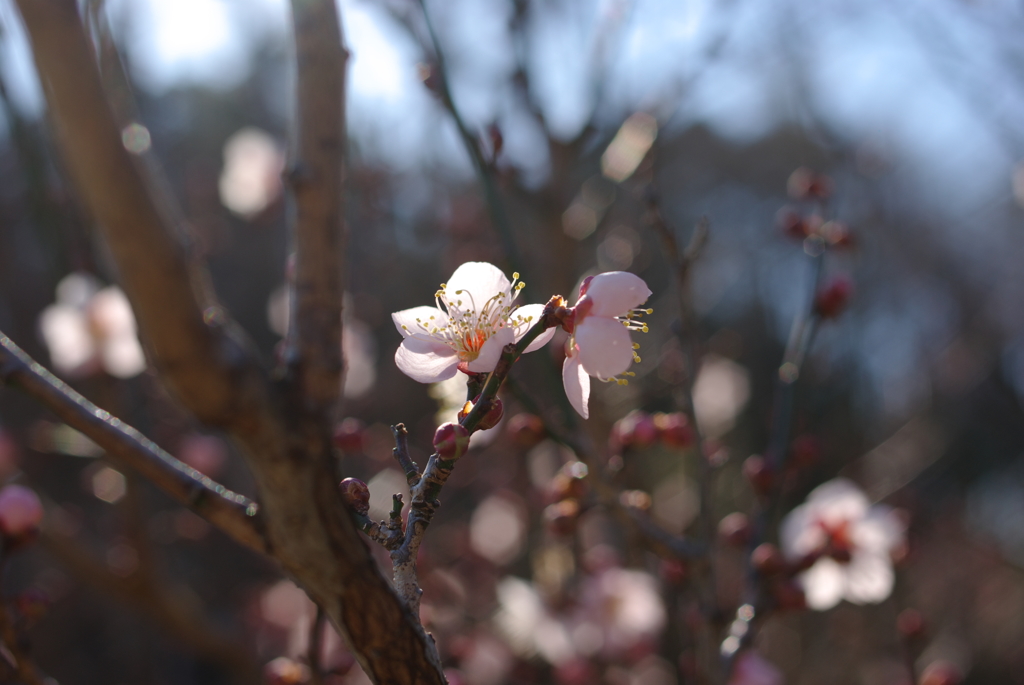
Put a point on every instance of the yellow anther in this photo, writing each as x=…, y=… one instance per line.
x=629, y=373
x=515, y=275
x=637, y=359
x=636, y=346
x=650, y=311
x=645, y=329
x=622, y=381
x=626, y=324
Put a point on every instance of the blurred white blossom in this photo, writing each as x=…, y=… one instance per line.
x=854, y=539
x=251, y=179
x=89, y=328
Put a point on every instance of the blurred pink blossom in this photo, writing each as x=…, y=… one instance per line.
x=853, y=540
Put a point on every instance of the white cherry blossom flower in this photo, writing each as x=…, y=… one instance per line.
x=600, y=345
x=474, y=318
x=854, y=538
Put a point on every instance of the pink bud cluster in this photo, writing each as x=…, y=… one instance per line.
x=639, y=430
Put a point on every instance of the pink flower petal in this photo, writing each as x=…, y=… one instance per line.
x=491, y=351
x=478, y=281
x=426, y=362
x=577, y=385
x=533, y=312
x=616, y=292
x=430, y=316
x=606, y=349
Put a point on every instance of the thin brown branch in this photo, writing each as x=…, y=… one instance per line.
x=234, y=514
x=317, y=178
x=172, y=608
x=187, y=335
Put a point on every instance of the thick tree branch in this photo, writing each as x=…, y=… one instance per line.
x=234, y=514
x=317, y=177
x=186, y=334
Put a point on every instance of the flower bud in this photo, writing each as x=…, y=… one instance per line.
x=20, y=511
x=355, y=494
x=757, y=471
x=561, y=517
x=767, y=559
x=492, y=416
x=525, y=430
x=831, y=301
x=941, y=673
x=636, y=429
x=674, y=429
x=349, y=436
x=451, y=441
x=805, y=183
x=792, y=223
x=284, y=671
x=734, y=529
x=910, y=624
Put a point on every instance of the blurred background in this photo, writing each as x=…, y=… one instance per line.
x=583, y=111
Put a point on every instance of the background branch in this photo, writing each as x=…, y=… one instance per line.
x=234, y=514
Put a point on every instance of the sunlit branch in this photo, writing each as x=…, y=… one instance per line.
x=316, y=177
x=189, y=338
x=234, y=514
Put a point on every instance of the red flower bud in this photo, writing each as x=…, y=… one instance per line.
x=910, y=623
x=493, y=414
x=284, y=671
x=636, y=429
x=792, y=223
x=734, y=529
x=674, y=429
x=451, y=441
x=941, y=673
x=349, y=436
x=20, y=511
x=525, y=430
x=831, y=301
x=805, y=183
x=355, y=494
x=560, y=517
x=757, y=471
x=767, y=559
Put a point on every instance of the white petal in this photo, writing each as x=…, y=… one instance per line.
x=616, y=292
x=869, y=578
x=824, y=584
x=429, y=316
x=491, y=351
x=800, y=533
x=534, y=312
x=606, y=349
x=880, y=531
x=426, y=362
x=577, y=385
x=478, y=281
x=838, y=500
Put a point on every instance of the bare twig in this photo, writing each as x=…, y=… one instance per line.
x=234, y=514
x=401, y=452
x=317, y=177
x=495, y=205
